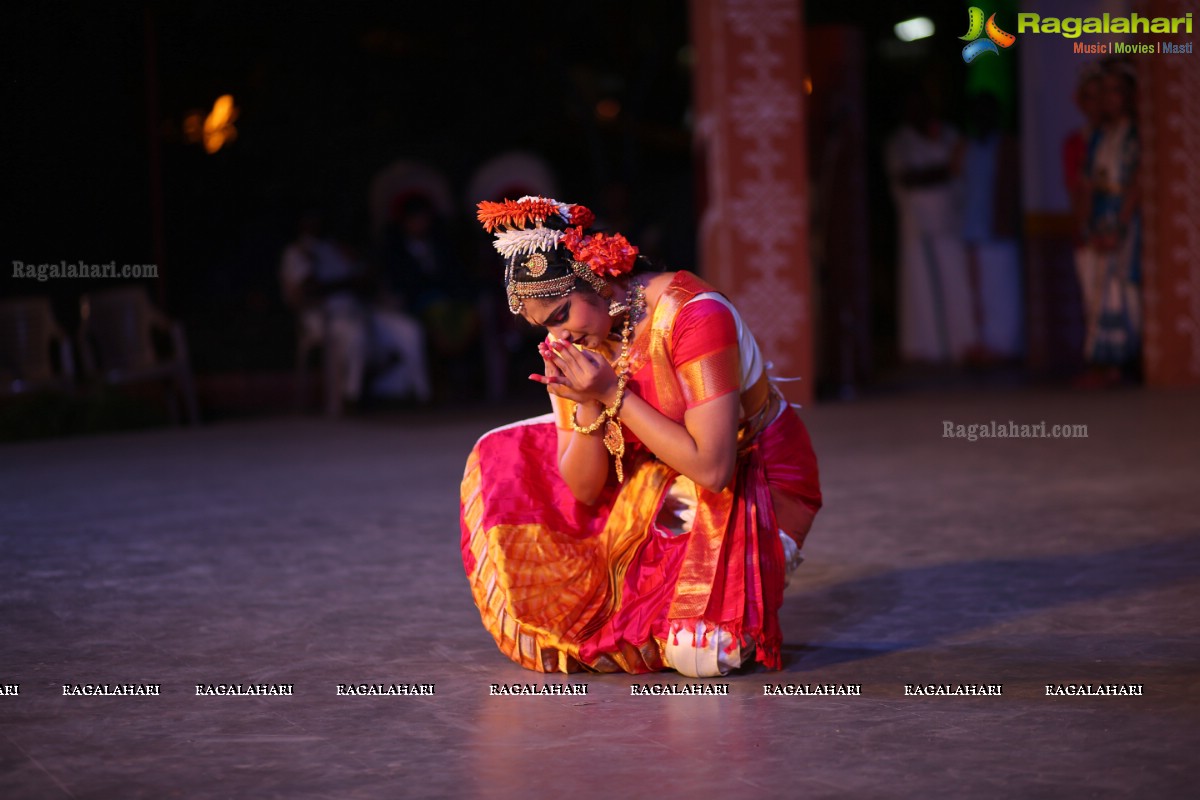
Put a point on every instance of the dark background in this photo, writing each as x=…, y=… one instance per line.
x=328, y=96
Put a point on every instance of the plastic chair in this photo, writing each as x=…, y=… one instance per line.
x=29, y=335
x=117, y=338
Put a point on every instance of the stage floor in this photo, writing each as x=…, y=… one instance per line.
x=315, y=553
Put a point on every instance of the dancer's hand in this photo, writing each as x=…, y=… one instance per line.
x=579, y=375
x=550, y=368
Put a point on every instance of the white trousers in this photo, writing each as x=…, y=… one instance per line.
x=402, y=335
x=361, y=338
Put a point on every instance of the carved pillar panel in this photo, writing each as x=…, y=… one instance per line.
x=750, y=135
x=1169, y=126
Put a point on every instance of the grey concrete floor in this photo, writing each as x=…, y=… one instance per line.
x=314, y=553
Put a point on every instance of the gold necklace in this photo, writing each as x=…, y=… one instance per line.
x=614, y=438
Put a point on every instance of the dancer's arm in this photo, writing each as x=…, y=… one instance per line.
x=704, y=447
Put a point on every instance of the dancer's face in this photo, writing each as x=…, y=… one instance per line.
x=579, y=318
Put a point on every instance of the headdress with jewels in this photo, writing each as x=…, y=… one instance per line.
x=546, y=248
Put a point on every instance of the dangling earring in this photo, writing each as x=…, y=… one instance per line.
x=616, y=309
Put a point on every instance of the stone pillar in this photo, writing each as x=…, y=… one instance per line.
x=1169, y=127
x=750, y=135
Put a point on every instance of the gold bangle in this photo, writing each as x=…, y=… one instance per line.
x=614, y=439
x=605, y=413
x=595, y=426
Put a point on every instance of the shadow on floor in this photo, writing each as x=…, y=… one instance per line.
x=914, y=608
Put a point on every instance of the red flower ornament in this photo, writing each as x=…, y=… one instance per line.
x=581, y=216
x=606, y=255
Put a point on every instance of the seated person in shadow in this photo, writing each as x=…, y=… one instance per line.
x=379, y=350
x=425, y=277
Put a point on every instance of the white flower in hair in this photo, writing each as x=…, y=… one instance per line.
x=527, y=241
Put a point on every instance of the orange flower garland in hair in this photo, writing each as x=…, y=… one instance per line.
x=515, y=213
x=610, y=255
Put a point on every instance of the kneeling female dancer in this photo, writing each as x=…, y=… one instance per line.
x=650, y=520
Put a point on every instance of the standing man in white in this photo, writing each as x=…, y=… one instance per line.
x=934, y=306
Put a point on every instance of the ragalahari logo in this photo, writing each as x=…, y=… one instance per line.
x=995, y=36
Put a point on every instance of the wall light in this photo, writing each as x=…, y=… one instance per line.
x=912, y=29
x=218, y=125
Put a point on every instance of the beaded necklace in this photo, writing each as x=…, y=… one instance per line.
x=614, y=438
